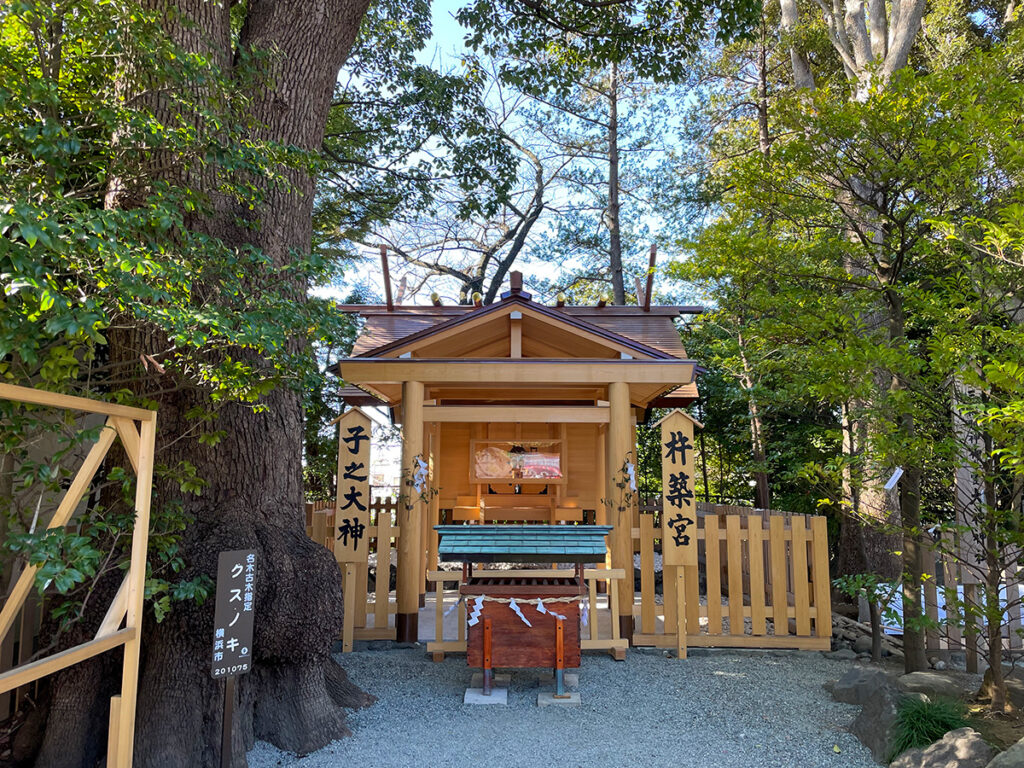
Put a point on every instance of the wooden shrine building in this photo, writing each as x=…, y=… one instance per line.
x=515, y=412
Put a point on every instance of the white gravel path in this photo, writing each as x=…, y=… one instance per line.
x=717, y=709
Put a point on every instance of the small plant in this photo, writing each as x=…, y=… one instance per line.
x=919, y=723
x=878, y=595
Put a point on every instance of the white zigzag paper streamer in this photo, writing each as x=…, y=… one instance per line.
x=419, y=478
x=631, y=471
x=540, y=606
x=478, y=607
x=518, y=611
x=584, y=612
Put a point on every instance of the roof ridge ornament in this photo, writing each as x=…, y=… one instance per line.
x=515, y=286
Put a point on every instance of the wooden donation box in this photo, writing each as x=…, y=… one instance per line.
x=532, y=620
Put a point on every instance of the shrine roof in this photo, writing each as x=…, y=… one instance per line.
x=653, y=328
x=522, y=543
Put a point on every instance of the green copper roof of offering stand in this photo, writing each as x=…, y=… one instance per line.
x=522, y=543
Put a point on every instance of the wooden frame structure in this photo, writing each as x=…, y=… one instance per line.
x=516, y=370
x=136, y=429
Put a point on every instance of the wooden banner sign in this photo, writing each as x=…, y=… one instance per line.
x=679, y=508
x=352, y=503
x=233, y=613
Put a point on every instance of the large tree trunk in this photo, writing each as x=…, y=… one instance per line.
x=762, y=494
x=614, y=233
x=253, y=498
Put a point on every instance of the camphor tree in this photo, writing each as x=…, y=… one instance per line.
x=156, y=249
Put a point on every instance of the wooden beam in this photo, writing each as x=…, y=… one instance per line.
x=42, y=397
x=791, y=642
x=129, y=435
x=136, y=594
x=28, y=672
x=410, y=514
x=516, y=335
x=618, y=452
x=512, y=414
x=367, y=370
x=79, y=487
x=116, y=612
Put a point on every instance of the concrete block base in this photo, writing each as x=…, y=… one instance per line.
x=499, y=696
x=547, y=699
x=572, y=679
x=498, y=680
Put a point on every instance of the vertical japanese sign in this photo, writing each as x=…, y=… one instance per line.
x=678, y=508
x=233, y=613
x=352, y=505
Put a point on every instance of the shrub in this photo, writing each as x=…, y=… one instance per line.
x=919, y=723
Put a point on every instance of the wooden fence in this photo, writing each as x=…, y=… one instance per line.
x=946, y=582
x=776, y=585
x=136, y=429
x=367, y=608
x=762, y=582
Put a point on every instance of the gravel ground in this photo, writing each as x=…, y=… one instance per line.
x=717, y=709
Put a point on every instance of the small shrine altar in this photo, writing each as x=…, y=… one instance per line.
x=523, y=621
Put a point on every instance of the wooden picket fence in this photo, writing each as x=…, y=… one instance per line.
x=944, y=581
x=370, y=619
x=776, y=585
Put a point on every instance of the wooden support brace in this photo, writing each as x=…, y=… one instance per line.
x=681, y=612
x=349, y=620
x=113, y=758
x=79, y=487
x=487, y=657
x=116, y=612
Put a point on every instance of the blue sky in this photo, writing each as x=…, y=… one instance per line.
x=448, y=34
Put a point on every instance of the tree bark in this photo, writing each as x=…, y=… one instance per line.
x=790, y=17
x=762, y=494
x=253, y=497
x=614, y=234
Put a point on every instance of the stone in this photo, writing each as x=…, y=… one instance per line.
x=874, y=724
x=940, y=665
x=859, y=684
x=843, y=654
x=862, y=644
x=1011, y=758
x=475, y=696
x=932, y=684
x=962, y=748
x=547, y=699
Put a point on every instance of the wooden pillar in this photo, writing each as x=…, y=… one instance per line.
x=618, y=452
x=410, y=515
x=434, y=518
x=425, y=529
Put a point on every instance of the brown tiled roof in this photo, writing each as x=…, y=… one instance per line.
x=654, y=329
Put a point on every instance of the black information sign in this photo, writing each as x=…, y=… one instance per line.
x=233, y=613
